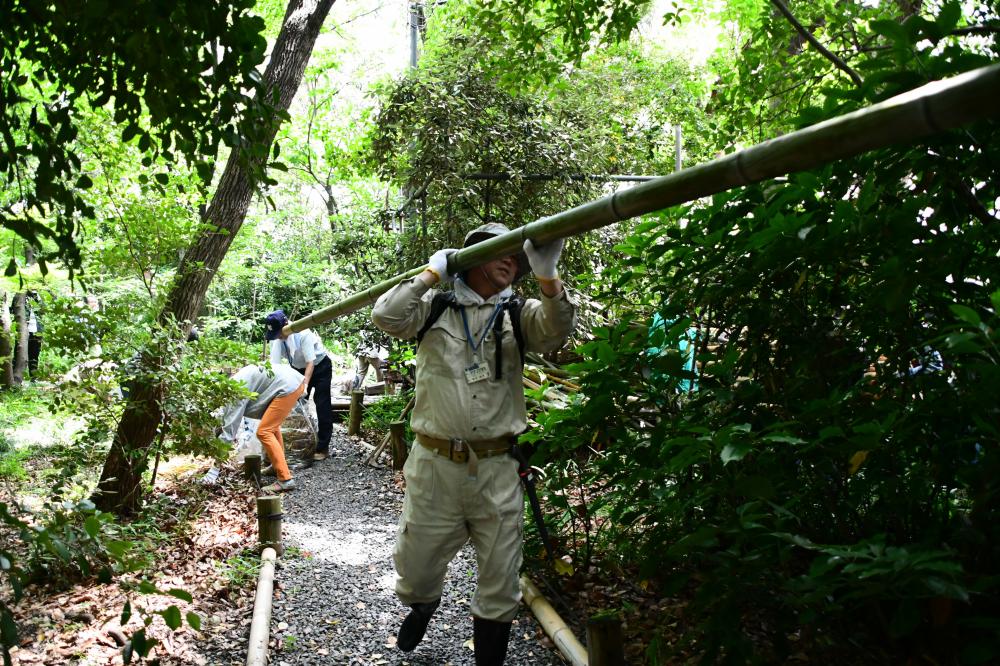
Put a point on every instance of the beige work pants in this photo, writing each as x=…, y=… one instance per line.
x=443, y=508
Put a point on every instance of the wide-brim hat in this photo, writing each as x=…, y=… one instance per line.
x=273, y=324
x=492, y=230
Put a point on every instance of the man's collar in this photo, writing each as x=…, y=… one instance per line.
x=465, y=295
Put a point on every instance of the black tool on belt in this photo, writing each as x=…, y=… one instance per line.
x=527, y=474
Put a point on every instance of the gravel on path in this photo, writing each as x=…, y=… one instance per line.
x=334, y=601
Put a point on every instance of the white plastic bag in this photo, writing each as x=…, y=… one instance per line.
x=246, y=442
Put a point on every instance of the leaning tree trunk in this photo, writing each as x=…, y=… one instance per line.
x=120, y=487
x=20, y=363
x=6, y=346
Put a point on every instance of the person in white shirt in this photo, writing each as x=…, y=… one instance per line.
x=304, y=351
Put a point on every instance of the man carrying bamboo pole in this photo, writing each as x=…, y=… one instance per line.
x=461, y=481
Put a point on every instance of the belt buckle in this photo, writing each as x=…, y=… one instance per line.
x=458, y=449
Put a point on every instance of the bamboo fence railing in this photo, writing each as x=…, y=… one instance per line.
x=906, y=118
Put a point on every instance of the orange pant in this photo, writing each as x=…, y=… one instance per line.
x=269, y=431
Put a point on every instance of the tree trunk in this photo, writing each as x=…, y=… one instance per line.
x=6, y=346
x=20, y=361
x=120, y=487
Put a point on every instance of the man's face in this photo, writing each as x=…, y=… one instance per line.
x=493, y=276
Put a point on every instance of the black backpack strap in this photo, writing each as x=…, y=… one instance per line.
x=514, y=305
x=441, y=302
x=498, y=340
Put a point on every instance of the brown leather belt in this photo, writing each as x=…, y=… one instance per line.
x=457, y=450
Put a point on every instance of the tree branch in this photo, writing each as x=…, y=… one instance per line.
x=838, y=63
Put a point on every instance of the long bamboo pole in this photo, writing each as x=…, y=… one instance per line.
x=926, y=110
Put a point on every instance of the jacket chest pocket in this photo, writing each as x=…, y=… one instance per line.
x=444, y=347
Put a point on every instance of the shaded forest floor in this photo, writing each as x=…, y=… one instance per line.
x=199, y=537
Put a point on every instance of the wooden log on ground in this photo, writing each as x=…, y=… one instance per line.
x=377, y=450
x=357, y=407
x=397, y=432
x=558, y=380
x=406, y=410
x=552, y=624
x=260, y=625
x=269, y=522
x=605, y=641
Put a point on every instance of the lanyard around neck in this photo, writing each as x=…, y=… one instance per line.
x=486, y=329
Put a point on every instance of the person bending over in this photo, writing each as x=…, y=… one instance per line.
x=275, y=397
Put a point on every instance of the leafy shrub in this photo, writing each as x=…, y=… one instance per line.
x=825, y=487
x=379, y=414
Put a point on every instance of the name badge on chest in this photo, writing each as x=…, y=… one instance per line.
x=477, y=372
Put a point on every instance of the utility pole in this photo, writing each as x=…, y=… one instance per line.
x=416, y=15
x=416, y=18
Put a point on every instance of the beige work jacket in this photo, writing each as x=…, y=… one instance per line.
x=447, y=405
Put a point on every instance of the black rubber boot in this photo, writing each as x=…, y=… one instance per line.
x=415, y=624
x=490, y=638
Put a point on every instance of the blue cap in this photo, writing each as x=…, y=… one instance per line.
x=274, y=323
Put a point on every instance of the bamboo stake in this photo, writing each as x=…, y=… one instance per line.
x=396, y=430
x=905, y=118
x=373, y=456
x=605, y=641
x=563, y=382
x=357, y=407
x=269, y=522
x=553, y=625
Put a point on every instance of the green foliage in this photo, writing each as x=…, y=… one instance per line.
x=378, y=415
x=192, y=380
x=65, y=540
x=794, y=495
x=471, y=151
x=241, y=570
x=539, y=38
x=11, y=461
x=173, y=96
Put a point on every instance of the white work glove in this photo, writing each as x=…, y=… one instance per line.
x=543, y=258
x=438, y=263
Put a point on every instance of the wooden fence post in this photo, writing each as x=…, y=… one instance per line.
x=397, y=431
x=605, y=642
x=251, y=468
x=357, y=406
x=269, y=522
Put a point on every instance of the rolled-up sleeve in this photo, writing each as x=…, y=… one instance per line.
x=402, y=310
x=308, y=343
x=546, y=323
